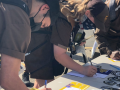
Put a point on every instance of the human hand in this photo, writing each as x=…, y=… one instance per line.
x=46, y=89
x=41, y=89
x=115, y=55
x=82, y=43
x=89, y=71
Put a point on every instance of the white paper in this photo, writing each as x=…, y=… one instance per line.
x=71, y=88
x=97, y=75
x=74, y=73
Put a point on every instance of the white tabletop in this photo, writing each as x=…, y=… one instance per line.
x=95, y=83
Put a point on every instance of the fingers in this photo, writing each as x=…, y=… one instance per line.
x=117, y=55
x=94, y=68
x=46, y=89
x=91, y=71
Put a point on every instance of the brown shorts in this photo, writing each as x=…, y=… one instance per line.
x=15, y=32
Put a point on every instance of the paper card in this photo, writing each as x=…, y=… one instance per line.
x=75, y=86
x=103, y=71
x=74, y=73
x=72, y=88
x=114, y=60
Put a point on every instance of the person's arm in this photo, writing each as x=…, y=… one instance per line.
x=65, y=60
x=10, y=67
x=100, y=36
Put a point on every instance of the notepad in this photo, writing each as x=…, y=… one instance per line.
x=74, y=73
x=75, y=86
x=101, y=73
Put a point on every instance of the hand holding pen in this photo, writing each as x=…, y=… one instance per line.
x=92, y=69
x=45, y=87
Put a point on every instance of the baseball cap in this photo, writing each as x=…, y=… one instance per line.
x=54, y=9
x=100, y=12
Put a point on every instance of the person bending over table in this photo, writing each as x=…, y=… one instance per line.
x=106, y=30
x=108, y=38
x=49, y=45
x=15, y=34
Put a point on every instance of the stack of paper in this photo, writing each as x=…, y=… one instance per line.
x=101, y=73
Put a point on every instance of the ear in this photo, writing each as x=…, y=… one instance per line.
x=87, y=13
x=44, y=7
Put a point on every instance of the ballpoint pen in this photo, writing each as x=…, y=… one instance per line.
x=91, y=63
x=45, y=83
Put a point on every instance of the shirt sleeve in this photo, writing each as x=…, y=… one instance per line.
x=16, y=32
x=61, y=32
x=100, y=37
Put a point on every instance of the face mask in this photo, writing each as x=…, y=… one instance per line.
x=36, y=26
x=88, y=24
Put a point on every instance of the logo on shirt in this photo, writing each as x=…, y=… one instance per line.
x=105, y=18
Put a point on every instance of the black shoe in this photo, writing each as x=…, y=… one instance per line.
x=25, y=79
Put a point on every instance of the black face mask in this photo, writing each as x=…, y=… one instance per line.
x=88, y=24
x=36, y=26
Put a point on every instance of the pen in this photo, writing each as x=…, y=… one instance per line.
x=115, y=67
x=90, y=61
x=91, y=64
x=45, y=83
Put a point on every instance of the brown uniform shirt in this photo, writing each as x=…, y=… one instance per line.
x=15, y=31
x=109, y=40
x=44, y=55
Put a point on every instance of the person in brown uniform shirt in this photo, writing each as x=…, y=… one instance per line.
x=44, y=48
x=109, y=39
x=15, y=35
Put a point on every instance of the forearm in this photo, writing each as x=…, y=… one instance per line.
x=13, y=83
x=68, y=62
x=10, y=67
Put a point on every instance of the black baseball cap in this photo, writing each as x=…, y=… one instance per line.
x=54, y=9
x=99, y=11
